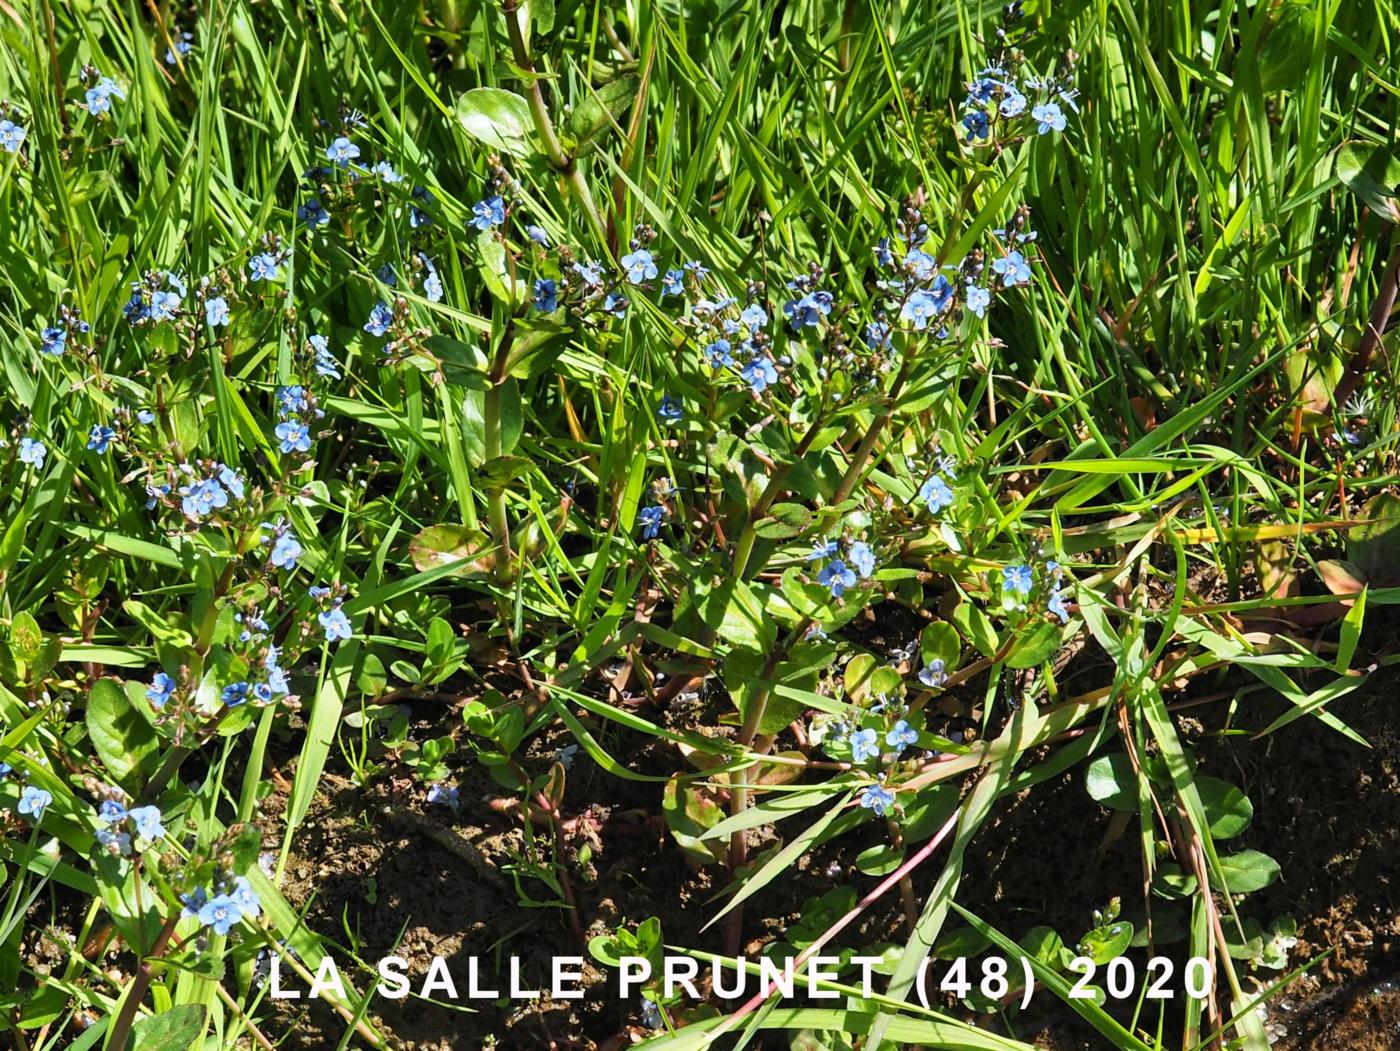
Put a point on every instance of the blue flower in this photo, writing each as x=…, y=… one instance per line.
x=135, y=310
x=837, y=576
x=245, y=897
x=335, y=624
x=432, y=287
x=978, y=299
x=235, y=693
x=759, y=373
x=202, y=498
x=920, y=265
x=380, y=318
x=615, y=303
x=445, y=795
x=669, y=411
x=326, y=365
x=823, y=549
x=184, y=44
x=650, y=519
x=100, y=437
x=936, y=494
x=164, y=306
x=312, y=212
x=1013, y=269
x=111, y=812
x=221, y=913
x=230, y=480
x=537, y=234
x=546, y=295
x=113, y=842
x=862, y=558
x=639, y=266
x=883, y=255
x=216, y=312
x=286, y=549
x=53, y=340
x=146, y=820
x=1017, y=579
x=99, y=96
x=933, y=675
x=342, y=151
x=32, y=452
x=293, y=436
x=33, y=801
x=673, y=283
x=901, y=736
x=193, y=902
x=1056, y=605
x=488, y=213
x=877, y=335
x=1013, y=104
x=1048, y=117
x=385, y=171
x=864, y=745
x=920, y=308
x=718, y=353
x=161, y=688
x=754, y=316
x=11, y=136
x=263, y=267
x=807, y=311
x=877, y=798
x=976, y=125
x=591, y=273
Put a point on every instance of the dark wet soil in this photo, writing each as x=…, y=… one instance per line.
x=384, y=883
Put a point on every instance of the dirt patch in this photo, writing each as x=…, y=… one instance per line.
x=1326, y=809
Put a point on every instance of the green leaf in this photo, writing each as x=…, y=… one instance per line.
x=783, y=522
x=976, y=628
x=603, y=108
x=940, y=641
x=1373, y=174
x=121, y=736
x=499, y=119
x=1228, y=810
x=1248, y=871
x=736, y=615
x=441, y=546
x=1112, y=781
x=1034, y=644
x=173, y=1030
x=880, y=860
x=1104, y=943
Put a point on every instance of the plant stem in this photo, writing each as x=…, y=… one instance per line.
x=544, y=128
x=145, y=972
x=744, y=549
x=491, y=441
x=738, y=781
x=1375, y=325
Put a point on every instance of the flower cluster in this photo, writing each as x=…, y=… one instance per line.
x=1018, y=583
x=998, y=106
x=223, y=906
x=119, y=826
x=841, y=569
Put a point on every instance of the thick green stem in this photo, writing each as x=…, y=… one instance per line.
x=544, y=127
x=738, y=780
x=145, y=972
x=743, y=550
x=491, y=442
